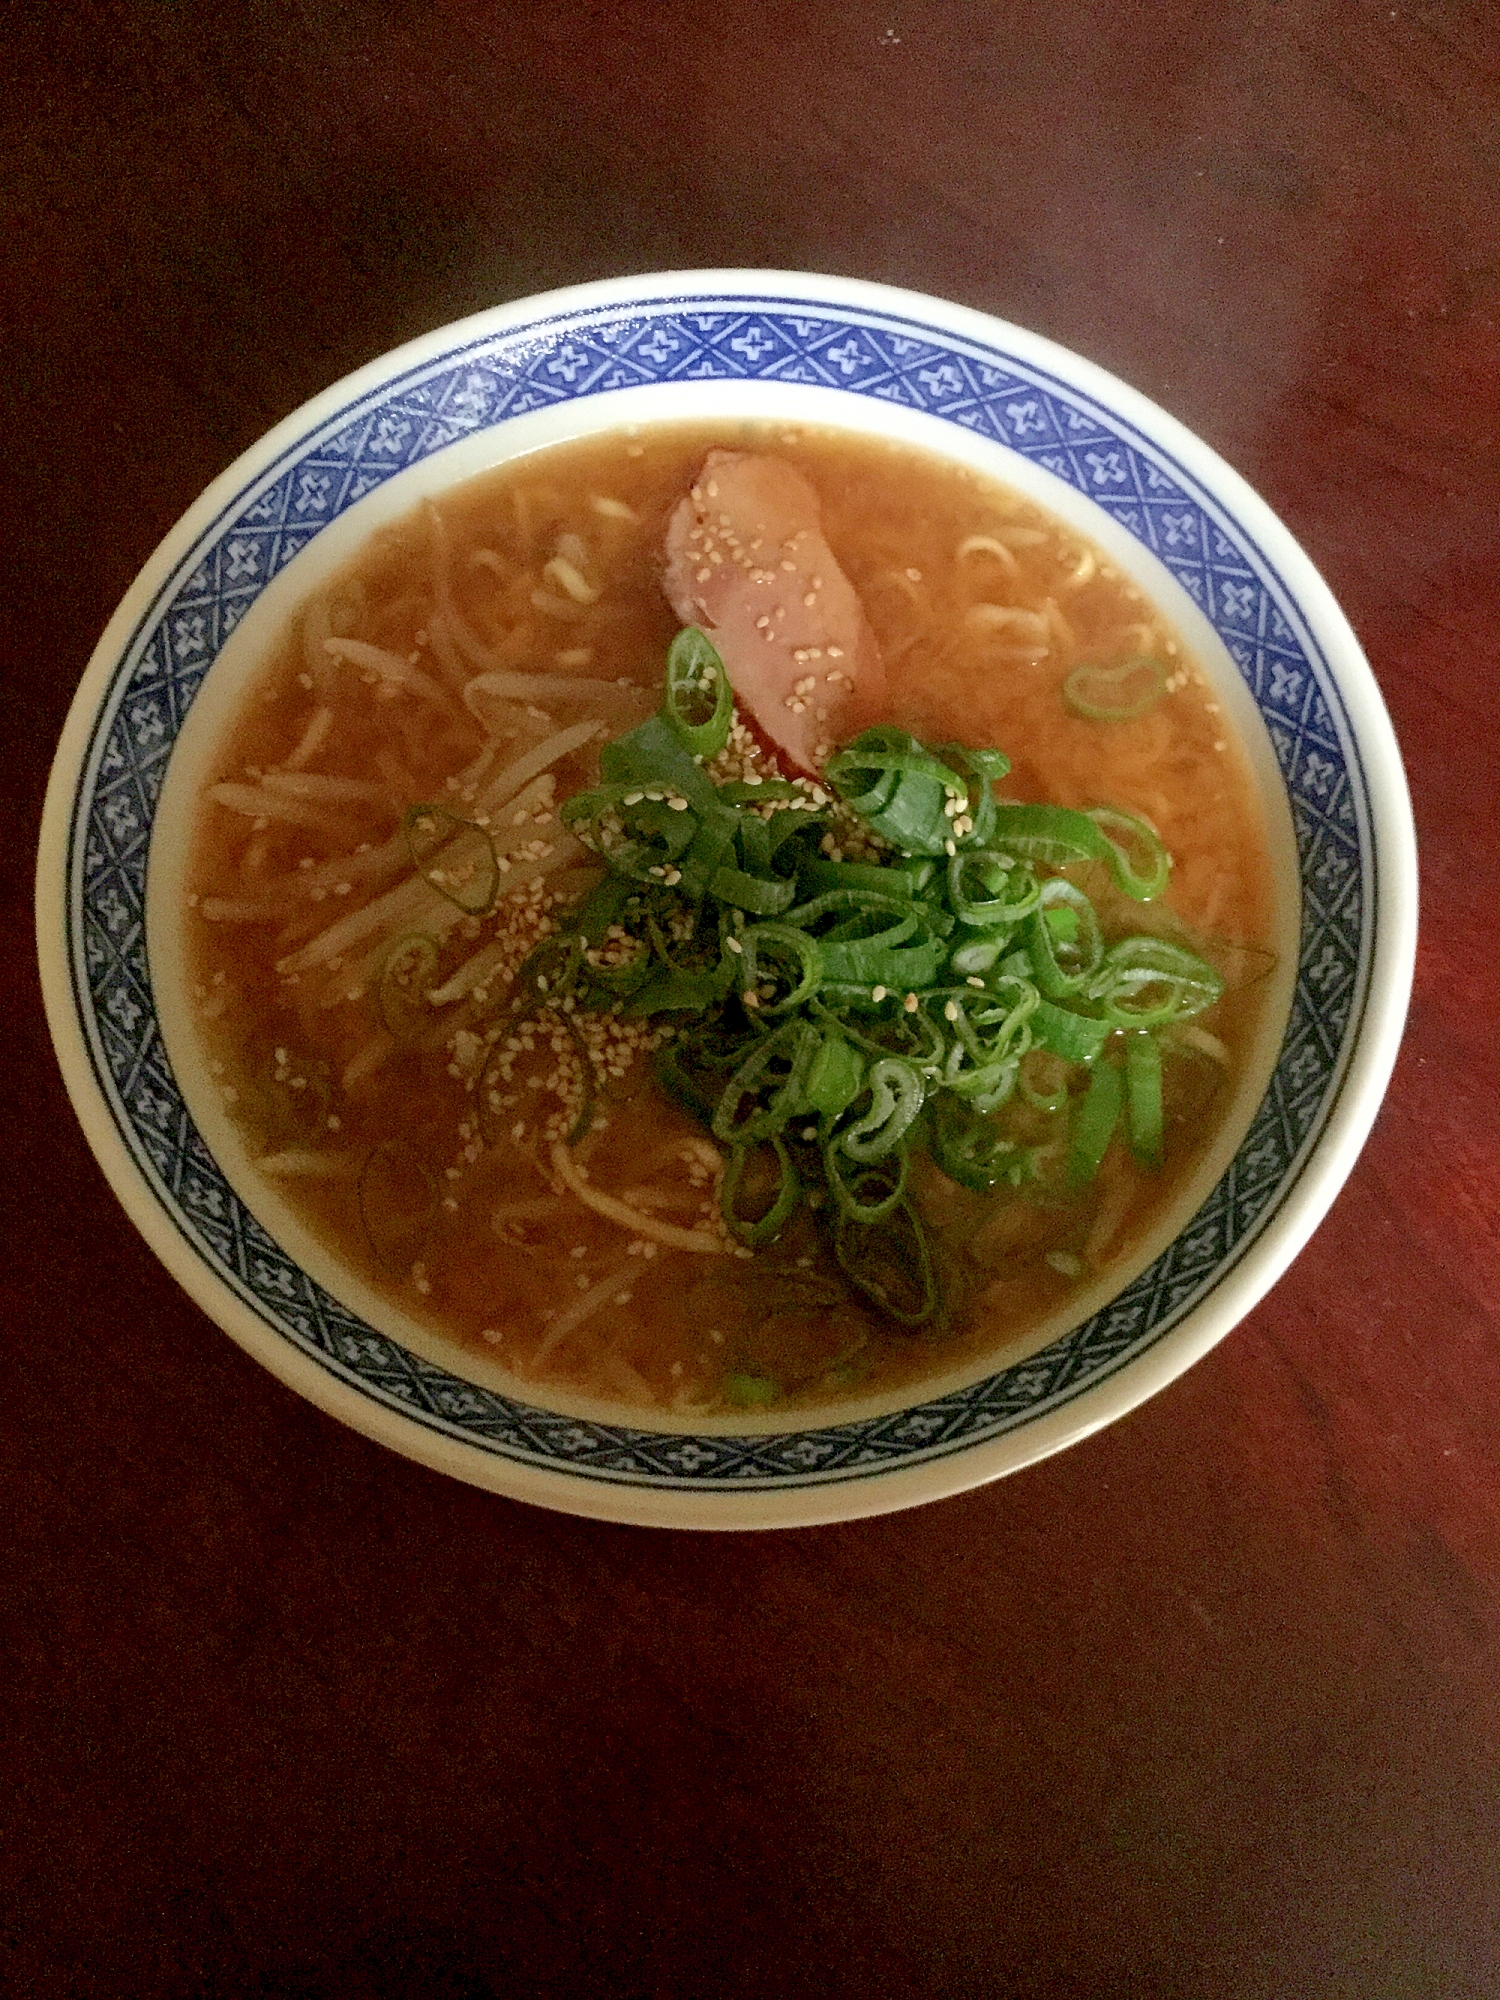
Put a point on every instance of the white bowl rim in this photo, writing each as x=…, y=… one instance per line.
x=1358, y=1091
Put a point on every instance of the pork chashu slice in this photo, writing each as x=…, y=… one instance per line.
x=747, y=561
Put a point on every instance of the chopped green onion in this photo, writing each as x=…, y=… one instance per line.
x=1063, y=966
x=401, y=996
x=549, y=974
x=887, y=1258
x=455, y=856
x=761, y=895
x=654, y=758
x=991, y=1032
x=1058, y=836
x=975, y=819
x=818, y=877
x=834, y=1016
x=1038, y=1066
x=896, y=1094
x=699, y=703
x=671, y=989
x=767, y=1227
x=969, y=1150
x=781, y=941
x=735, y=794
x=1146, y=880
x=397, y=1199
x=1077, y=1038
x=896, y=955
x=601, y=907
x=1143, y=1096
x=1116, y=694
x=749, y=1390
x=900, y=787
x=684, y=1084
x=1094, y=1126
x=530, y=996
x=978, y=954
x=1012, y=896
x=1144, y=981
x=836, y=1075
x=868, y=1193
x=771, y=1080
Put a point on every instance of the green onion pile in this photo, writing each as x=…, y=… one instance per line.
x=832, y=1016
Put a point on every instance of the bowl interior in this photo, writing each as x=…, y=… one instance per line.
x=1246, y=601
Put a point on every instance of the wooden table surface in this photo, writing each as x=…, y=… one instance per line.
x=1208, y=1706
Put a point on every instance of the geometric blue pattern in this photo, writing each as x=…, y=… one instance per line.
x=589, y=352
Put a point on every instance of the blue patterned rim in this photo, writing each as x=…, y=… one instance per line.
x=586, y=351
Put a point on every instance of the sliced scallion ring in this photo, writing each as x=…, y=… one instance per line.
x=1143, y=1096
x=896, y=1095
x=969, y=1150
x=397, y=1197
x=1039, y=1068
x=699, y=702
x=401, y=994
x=768, y=1226
x=1094, y=1126
x=1067, y=945
x=455, y=856
x=1116, y=694
x=864, y=1193
x=888, y=1259
x=1012, y=895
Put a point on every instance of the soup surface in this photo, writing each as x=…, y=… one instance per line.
x=384, y=850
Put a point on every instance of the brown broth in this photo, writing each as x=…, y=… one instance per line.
x=367, y=1105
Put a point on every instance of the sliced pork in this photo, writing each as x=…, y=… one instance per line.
x=747, y=561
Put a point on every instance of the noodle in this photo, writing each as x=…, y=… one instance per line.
x=973, y=545
x=421, y=729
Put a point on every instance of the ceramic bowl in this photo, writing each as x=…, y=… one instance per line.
x=727, y=344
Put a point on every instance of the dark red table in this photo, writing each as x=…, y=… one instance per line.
x=1208, y=1706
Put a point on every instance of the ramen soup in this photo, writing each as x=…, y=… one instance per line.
x=730, y=920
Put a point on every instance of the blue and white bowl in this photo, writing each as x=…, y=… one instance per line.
x=700, y=345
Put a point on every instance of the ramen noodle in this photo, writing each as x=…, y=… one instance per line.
x=500, y=1122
